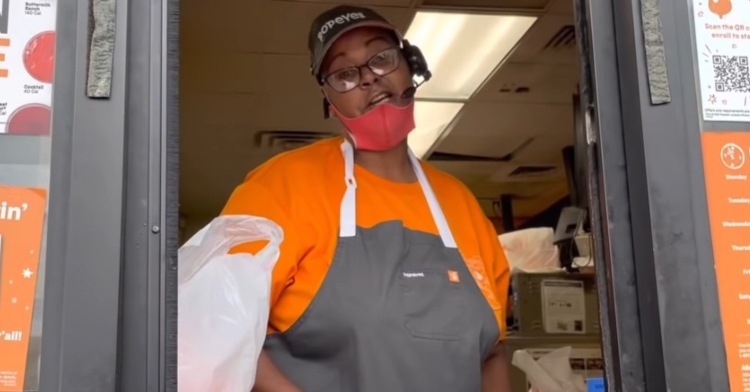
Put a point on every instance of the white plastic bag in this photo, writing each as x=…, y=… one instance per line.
x=223, y=304
x=531, y=250
x=550, y=373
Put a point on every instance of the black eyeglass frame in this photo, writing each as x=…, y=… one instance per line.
x=397, y=52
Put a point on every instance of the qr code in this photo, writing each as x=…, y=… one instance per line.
x=731, y=74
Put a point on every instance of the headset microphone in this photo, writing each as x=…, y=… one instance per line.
x=409, y=92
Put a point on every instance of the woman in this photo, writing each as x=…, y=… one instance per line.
x=390, y=276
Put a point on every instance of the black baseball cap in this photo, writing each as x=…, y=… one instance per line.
x=331, y=24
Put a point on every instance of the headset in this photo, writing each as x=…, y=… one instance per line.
x=417, y=67
x=416, y=62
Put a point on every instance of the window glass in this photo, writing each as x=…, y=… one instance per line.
x=27, y=47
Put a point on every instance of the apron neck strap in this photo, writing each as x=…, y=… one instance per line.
x=348, y=217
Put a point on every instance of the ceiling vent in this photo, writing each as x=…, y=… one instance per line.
x=564, y=39
x=532, y=171
x=288, y=140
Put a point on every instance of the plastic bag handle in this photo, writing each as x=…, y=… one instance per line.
x=221, y=235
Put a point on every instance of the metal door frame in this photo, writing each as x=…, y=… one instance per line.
x=109, y=320
x=652, y=234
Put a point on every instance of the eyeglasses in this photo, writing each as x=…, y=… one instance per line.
x=347, y=79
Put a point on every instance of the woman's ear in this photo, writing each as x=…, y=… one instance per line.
x=326, y=109
x=327, y=112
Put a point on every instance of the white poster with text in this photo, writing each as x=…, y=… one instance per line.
x=27, y=58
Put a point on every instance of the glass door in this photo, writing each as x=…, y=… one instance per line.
x=27, y=45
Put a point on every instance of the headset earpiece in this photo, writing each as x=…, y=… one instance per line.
x=416, y=61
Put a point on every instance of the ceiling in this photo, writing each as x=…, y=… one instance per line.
x=244, y=71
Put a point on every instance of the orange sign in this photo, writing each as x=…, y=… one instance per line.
x=720, y=7
x=726, y=160
x=22, y=213
x=4, y=43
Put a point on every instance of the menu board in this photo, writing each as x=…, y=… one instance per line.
x=726, y=160
x=27, y=58
x=22, y=213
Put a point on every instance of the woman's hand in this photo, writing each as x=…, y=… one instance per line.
x=269, y=378
x=495, y=377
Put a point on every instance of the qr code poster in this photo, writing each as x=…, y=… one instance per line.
x=722, y=38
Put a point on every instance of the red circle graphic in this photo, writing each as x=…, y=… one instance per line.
x=33, y=119
x=39, y=56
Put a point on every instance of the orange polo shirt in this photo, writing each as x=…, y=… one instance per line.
x=302, y=190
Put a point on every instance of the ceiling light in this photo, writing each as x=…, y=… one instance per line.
x=463, y=50
x=432, y=119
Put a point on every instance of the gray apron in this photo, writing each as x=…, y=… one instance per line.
x=397, y=311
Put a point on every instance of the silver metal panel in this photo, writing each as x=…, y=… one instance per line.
x=113, y=217
x=149, y=306
x=84, y=253
x=141, y=367
x=674, y=275
x=611, y=227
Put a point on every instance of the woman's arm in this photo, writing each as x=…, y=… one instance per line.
x=495, y=372
x=269, y=378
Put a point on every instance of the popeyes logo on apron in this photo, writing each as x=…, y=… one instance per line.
x=27, y=57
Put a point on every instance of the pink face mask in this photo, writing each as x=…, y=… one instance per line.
x=380, y=129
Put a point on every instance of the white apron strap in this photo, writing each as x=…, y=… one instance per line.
x=348, y=217
x=348, y=221
x=437, y=213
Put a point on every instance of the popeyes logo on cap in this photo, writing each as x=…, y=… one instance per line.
x=341, y=19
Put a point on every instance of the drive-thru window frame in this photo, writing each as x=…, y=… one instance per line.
x=110, y=303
